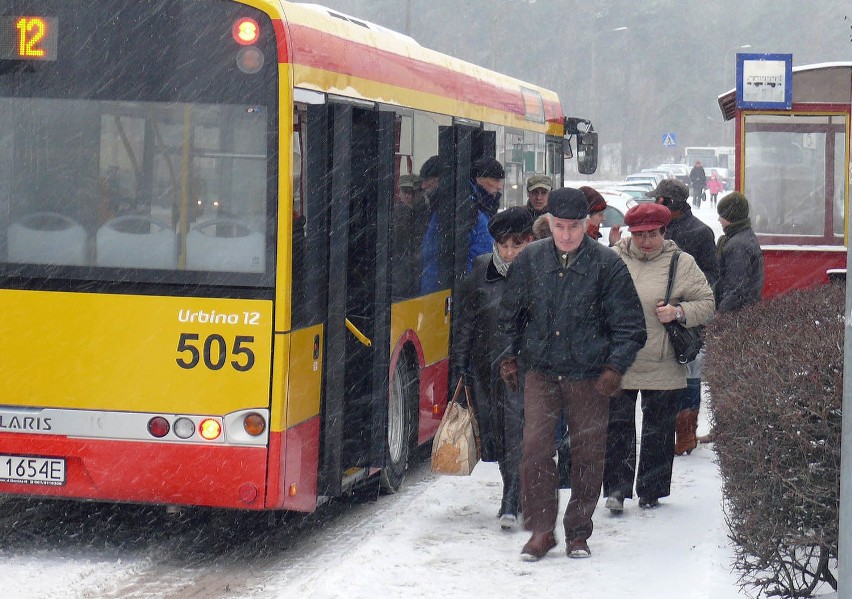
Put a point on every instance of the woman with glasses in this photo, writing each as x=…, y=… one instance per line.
x=656, y=374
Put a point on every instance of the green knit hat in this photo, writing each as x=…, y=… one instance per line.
x=733, y=207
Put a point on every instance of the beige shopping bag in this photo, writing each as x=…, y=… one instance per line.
x=455, y=449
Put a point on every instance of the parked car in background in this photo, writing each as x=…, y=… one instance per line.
x=635, y=190
x=680, y=171
x=617, y=205
x=656, y=171
x=651, y=178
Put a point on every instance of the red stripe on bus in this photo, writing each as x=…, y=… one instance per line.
x=142, y=472
x=433, y=398
x=281, y=40
x=320, y=50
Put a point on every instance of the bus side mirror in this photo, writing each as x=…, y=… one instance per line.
x=567, y=152
x=587, y=152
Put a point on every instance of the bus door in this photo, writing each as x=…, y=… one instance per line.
x=359, y=184
x=465, y=144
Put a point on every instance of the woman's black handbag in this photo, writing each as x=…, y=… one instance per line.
x=687, y=342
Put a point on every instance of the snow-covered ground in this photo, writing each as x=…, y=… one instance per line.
x=447, y=543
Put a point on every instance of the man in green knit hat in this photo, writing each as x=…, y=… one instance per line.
x=740, y=280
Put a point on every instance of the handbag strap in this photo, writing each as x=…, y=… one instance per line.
x=470, y=408
x=457, y=392
x=672, y=269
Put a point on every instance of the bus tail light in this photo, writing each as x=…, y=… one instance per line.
x=184, y=428
x=246, y=31
x=254, y=424
x=210, y=429
x=250, y=60
x=158, y=427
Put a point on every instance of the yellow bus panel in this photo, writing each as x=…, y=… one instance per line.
x=426, y=316
x=304, y=387
x=134, y=353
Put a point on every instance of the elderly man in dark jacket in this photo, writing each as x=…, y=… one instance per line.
x=572, y=318
x=740, y=257
x=698, y=240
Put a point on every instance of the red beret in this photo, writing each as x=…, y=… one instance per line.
x=647, y=216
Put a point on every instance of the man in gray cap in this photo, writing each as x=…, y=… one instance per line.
x=538, y=188
x=698, y=240
x=571, y=319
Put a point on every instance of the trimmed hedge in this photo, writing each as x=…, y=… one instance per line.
x=775, y=376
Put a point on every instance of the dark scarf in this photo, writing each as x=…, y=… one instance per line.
x=489, y=204
x=731, y=230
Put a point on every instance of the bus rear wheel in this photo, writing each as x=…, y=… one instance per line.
x=402, y=405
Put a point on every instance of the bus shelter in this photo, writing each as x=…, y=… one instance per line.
x=793, y=166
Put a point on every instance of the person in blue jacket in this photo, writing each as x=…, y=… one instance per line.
x=486, y=187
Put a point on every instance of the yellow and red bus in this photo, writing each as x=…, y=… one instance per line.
x=196, y=202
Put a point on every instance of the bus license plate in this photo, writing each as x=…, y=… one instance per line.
x=32, y=471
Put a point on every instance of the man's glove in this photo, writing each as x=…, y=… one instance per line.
x=509, y=373
x=608, y=382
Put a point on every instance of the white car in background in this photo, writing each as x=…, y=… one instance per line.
x=678, y=171
x=635, y=190
x=617, y=205
x=651, y=178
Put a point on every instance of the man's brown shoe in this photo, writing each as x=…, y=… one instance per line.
x=538, y=546
x=578, y=548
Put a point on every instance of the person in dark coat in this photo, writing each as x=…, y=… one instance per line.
x=698, y=240
x=410, y=217
x=688, y=231
x=740, y=280
x=477, y=351
x=572, y=321
x=698, y=180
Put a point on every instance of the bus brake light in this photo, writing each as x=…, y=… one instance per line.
x=210, y=429
x=158, y=427
x=245, y=31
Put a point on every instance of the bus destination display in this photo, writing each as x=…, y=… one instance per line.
x=28, y=38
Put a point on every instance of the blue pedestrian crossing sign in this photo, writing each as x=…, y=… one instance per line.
x=669, y=140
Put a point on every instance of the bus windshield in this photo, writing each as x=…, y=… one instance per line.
x=138, y=162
